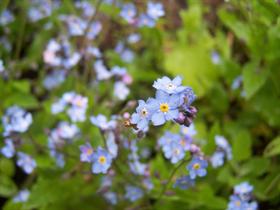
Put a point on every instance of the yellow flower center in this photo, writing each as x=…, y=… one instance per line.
x=164, y=107
x=196, y=166
x=89, y=151
x=102, y=159
x=144, y=112
x=237, y=203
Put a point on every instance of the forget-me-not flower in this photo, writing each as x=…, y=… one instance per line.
x=142, y=116
x=101, y=161
x=197, y=167
x=165, y=107
x=133, y=193
x=155, y=10
x=169, y=86
x=26, y=162
x=9, y=149
x=86, y=153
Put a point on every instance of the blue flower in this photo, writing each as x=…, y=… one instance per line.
x=146, y=20
x=155, y=10
x=236, y=203
x=128, y=12
x=111, y=144
x=121, y=91
x=133, y=38
x=197, y=167
x=22, y=196
x=133, y=193
x=6, y=17
x=2, y=68
x=9, y=149
x=111, y=197
x=184, y=183
x=217, y=159
x=101, y=161
x=165, y=107
x=243, y=188
x=26, y=162
x=187, y=97
x=16, y=119
x=252, y=206
x=86, y=153
x=223, y=144
x=169, y=86
x=142, y=116
x=188, y=131
x=167, y=138
x=174, y=151
x=94, y=30
x=101, y=122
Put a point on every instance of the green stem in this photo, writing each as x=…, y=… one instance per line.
x=272, y=184
x=164, y=188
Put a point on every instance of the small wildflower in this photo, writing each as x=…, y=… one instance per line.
x=22, y=196
x=101, y=161
x=142, y=116
x=174, y=152
x=16, y=119
x=101, y=122
x=133, y=193
x=128, y=12
x=26, y=162
x=111, y=144
x=243, y=189
x=169, y=86
x=9, y=149
x=217, y=159
x=111, y=197
x=184, y=183
x=236, y=203
x=146, y=20
x=86, y=153
x=165, y=108
x=197, y=167
x=155, y=10
x=121, y=91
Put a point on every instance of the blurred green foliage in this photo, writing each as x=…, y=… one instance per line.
x=246, y=36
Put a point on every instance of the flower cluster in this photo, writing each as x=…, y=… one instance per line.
x=172, y=102
x=16, y=120
x=223, y=151
x=153, y=13
x=120, y=75
x=100, y=158
x=75, y=104
x=242, y=198
x=26, y=162
x=58, y=137
x=59, y=54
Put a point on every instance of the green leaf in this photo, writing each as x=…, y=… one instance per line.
x=254, y=78
x=242, y=146
x=273, y=148
x=7, y=186
x=21, y=86
x=194, y=64
x=21, y=99
x=7, y=167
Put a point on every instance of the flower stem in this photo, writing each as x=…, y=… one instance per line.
x=164, y=188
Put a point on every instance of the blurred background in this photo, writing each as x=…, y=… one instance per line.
x=227, y=51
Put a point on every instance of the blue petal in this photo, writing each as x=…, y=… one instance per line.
x=158, y=119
